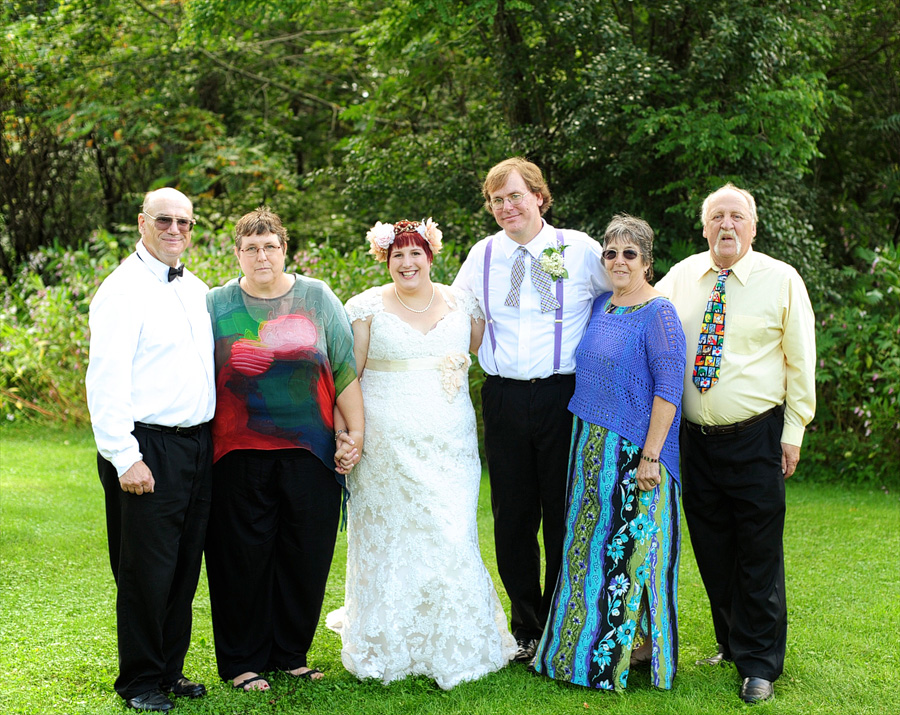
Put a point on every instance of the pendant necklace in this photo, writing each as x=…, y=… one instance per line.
x=413, y=310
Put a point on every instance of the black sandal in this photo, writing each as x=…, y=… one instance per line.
x=306, y=675
x=242, y=685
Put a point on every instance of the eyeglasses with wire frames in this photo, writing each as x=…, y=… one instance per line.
x=629, y=254
x=514, y=200
x=269, y=249
x=162, y=223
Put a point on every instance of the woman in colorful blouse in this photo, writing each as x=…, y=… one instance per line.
x=284, y=357
x=615, y=602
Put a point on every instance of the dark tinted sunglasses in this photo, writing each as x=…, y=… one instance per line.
x=629, y=254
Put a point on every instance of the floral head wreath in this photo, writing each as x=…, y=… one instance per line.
x=382, y=235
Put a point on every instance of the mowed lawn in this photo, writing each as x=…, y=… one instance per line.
x=58, y=638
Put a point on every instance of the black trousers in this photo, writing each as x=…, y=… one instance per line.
x=733, y=495
x=268, y=551
x=527, y=432
x=155, y=550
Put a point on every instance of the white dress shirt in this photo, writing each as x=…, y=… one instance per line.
x=151, y=357
x=524, y=334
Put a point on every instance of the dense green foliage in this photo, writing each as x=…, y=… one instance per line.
x=856, y=433
x=58, y=637
x=338, y=114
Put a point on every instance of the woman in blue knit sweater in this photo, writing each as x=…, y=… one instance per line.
x=615, y=604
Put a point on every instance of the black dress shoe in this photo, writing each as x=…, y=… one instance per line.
x=183, y=686
x=525, y=650
x=755, y=690
x=152, y=700
x=718, y=659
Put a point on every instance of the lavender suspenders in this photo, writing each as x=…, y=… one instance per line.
x=557, y=324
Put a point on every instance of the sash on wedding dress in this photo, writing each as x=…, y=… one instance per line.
x=454, y=369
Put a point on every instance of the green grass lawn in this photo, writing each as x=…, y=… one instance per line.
x=58, y=625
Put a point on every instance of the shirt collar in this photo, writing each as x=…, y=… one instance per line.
x=158, y=268
x=545, y=237
x=742, y=269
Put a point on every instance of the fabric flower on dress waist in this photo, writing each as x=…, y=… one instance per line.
x=454, y=371
x=553, y=262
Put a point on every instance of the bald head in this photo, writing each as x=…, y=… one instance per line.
x=159, y=227
x=748, y=197
x=166, y=193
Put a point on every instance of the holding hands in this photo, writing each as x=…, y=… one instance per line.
x=348, y=450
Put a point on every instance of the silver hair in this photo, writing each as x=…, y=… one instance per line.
x=624, y=227
x=704, y=209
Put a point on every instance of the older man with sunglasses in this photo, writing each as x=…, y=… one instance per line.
x=151, y=393
x=536, y=285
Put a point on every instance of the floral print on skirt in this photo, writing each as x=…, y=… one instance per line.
x=619, y=578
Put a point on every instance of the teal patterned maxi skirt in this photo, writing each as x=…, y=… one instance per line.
x=619, y=579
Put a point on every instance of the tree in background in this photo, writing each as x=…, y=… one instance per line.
x=635, y=106
x=856, y=179
x=338, y=114
x=341, y=113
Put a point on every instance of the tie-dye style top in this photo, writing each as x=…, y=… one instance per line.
x=280, y=364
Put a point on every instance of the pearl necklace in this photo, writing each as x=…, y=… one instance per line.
x=413, y=310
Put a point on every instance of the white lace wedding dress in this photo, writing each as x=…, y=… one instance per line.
x=419, y=600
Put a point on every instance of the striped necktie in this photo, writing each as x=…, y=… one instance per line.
x=539, y=277
x=518, y=273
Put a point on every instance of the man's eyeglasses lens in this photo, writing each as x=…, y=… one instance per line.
x=268, y=249
x=162, y=223
x=629, y=254
x=514, y=200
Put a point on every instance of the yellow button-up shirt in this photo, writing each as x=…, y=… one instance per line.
x=769, y=351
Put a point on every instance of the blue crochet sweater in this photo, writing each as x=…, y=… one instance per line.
x=622, y=363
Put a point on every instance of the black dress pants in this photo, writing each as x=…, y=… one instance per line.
x=155, y=550
x=527, y=433
x=268, y=551
x=733, y=495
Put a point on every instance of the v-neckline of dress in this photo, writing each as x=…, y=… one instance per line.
x=436, y=324
x=416, y=330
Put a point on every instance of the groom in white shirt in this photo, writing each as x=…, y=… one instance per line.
x=151, y=394
x=536, y=285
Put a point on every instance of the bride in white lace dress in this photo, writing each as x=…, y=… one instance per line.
x=419, y=600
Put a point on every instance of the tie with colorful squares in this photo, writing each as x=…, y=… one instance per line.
x=712, y=336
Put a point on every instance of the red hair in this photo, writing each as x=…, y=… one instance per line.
x=411, y=238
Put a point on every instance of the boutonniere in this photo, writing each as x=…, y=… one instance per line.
x=553, y=262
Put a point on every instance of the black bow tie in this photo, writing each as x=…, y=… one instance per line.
x=176, y=272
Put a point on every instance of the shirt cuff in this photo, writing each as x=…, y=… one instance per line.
x=123, y=461
x=793, y=434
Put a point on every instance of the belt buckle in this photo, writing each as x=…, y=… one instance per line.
x=707, y=430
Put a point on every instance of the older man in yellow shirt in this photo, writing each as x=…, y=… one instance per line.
x=749, y=394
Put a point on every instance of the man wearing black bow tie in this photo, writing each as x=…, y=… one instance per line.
x=151, y=393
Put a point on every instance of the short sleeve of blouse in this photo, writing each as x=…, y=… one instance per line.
x=666, y=351
x=467, y=303
x=364, y=305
